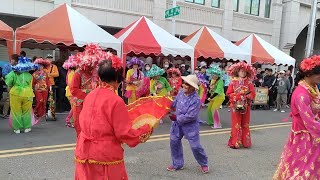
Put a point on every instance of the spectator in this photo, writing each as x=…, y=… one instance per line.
x=283, y=87
x=291, y=80
x=61, y=85
x=52, y=74
x=23, y=54
x=268, y=82
x=146, y=69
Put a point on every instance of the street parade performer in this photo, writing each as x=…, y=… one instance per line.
x=186, y=124
x=41, y=85
x=300, y=157
x=241, y=93
x=19, y=81
x=137, y=84
x=105, y=126
x=159, y=86
x=204, y=82
x=175, y=80
x=216, y=98
x=85, y=78
x=71, y=66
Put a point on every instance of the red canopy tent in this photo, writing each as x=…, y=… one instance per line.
x=143, y=36
x=63, y=26
x=6, y=36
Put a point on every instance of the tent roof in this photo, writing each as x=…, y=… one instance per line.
x=67, y=26
x=263, y=52
x=208, y=43
x=6, y=32
x=145, y=36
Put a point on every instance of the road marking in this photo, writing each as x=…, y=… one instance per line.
x=226, y=129
x=152, y=138
x=65, y=147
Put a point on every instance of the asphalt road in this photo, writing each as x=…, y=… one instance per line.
x=48, y=152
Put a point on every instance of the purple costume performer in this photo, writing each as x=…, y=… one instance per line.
x=187, y=125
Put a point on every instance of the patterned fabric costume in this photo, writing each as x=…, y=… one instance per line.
x=137, y=84
x=81, y=85
x=241, y=93
x=41, y=84
x=69, y=65
x=186, y=125
x=175, y=82
x=217, y=97
x=300, y=157
x=203, y=88
x=159, y=86
x=69, y=79
x=21, y=94
x=85, y=79
x=215, y=103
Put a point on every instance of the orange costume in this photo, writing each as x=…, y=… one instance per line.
x=241, y=92
x=105, y=126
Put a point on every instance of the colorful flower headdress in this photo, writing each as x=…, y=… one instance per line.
x=235, y=68
x=155, y=71
x=24, y=65
x=43, y=62
x=310, y=63
x=135, y=61
x=174, y=70
x=214, y=70
x=92, y=56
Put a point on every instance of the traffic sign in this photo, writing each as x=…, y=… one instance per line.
x=172, y=12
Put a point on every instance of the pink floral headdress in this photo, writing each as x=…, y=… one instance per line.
x=43, y=62
x=92, y=56
x=234, y=69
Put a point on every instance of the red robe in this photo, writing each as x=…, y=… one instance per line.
x=105, y=126
x=240, y=92
x=82, y=84
x=40, y=84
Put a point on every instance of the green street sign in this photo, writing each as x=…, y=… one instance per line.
x=172, y=12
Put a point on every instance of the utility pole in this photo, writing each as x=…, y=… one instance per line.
x=174, y=4
x=311, y=29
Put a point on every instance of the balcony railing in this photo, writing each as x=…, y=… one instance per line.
x=142, y=7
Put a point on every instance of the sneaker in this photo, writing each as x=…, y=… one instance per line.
x=16, y=131
x=283, y=111
x=27, y=130
x=172, y=168
x=205, y=169
x=221, y=107
x=275, y=110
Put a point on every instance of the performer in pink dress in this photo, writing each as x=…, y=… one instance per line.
x=300, y=158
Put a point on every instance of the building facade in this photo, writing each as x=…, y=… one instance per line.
x=281, y=22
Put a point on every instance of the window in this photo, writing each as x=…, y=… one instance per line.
x=267, y=9
x=215, y=3
x=252, y=7
x=196, y=1
x=235, y=5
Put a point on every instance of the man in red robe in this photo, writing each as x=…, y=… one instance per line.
x=105, y=126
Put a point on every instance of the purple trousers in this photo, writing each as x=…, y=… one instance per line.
x=191, y=132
